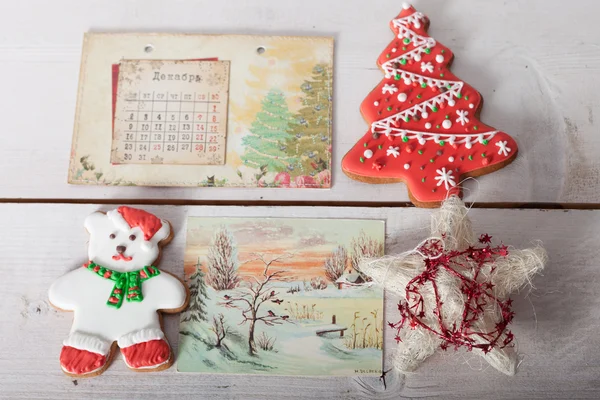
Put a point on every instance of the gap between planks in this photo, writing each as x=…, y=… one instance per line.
x=270, y=203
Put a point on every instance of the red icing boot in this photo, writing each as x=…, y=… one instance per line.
x=149, y=354
x=80, y=362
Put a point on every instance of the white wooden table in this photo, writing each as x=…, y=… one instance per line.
x=537, y=64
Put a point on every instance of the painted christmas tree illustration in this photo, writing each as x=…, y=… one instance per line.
x=196, y=310
x=266, y=145
x=424, y=121
x=310, y=129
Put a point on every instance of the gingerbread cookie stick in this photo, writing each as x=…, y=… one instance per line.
x=117, y=296
x=425, y=129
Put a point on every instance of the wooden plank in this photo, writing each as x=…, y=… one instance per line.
x=531, y=60
x=555, y=326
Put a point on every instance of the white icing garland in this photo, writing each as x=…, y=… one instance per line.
x=384, y=125
x=388, y=126
x=422, y=137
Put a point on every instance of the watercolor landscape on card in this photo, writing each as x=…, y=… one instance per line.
x=281, y=296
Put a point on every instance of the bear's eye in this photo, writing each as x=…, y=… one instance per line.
x=132, y=237
x=112, y=236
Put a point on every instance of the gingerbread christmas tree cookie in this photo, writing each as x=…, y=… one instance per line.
x=425, y=129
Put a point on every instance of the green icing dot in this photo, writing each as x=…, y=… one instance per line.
x=423, y=180
x=362, y=160
x=466, y=97
x=380, y=147
x=447, y=117
x=482, y=154
x=406, y=40
x=387, y=55
x=428, y=51
x=459, y=95
x=431, y=160
x=475, y=127
x=443, y=51
x=419, y=96
x=420, y=152
x=365, y=144
x=485, y=141
x=449, y=86
x=405, y=139
x=435, y=109
x=389, y=108
x=441, y=75
x=403, y=61
x=442, y=143
x=437, y=127
x=404, y=48
x=470, y=157
x=397, y=77
x=423, y=85
x=407, y=119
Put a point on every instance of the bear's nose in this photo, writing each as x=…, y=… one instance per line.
x=121, y=249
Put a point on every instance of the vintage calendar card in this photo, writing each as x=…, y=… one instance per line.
x=171, y=112
x=204, y=111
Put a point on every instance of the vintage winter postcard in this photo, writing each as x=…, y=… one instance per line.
x=281, y=296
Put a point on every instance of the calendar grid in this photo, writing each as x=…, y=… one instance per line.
x=206, y=130
x=185, y=123
x=193, y=124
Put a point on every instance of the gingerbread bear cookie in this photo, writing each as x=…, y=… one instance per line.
x=424, y=121
x=118, y=295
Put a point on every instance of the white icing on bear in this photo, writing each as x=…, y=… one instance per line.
x=120, y=241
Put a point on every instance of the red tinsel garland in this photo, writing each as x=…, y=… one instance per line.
x=478, y=295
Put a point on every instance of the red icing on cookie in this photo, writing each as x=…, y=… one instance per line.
x=150, y=224
x=79, y=362
x=147, y=354
x=424, y=129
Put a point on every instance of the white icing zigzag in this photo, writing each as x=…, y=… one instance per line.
x=449, y=89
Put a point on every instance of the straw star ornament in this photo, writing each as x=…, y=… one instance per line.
x=454, y=291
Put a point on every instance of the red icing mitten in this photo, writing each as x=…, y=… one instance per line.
x=80, y=362
x=151, y=354
x=424, y=121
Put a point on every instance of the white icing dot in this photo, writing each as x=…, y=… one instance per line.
x=376, y=103
x=471, y=105
x=394, y=50
x=402, y=97
x=406, y=6
x=422, y=141
x=406, y=166
x=417, y=57
x=425, y=115
x=428, y=125
x=417, y=24
x=468, y=145
x=439, y=58
x=451, y=103
x=447, y=124
x=451, y=159
x=368, y=153
x=407, y=81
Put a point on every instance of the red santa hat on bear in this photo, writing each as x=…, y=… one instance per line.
x=153, y=228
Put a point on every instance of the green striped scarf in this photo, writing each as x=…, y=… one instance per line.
x=128, y=285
